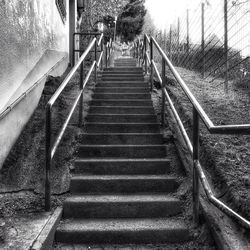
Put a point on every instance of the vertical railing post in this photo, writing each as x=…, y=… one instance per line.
x=106, y=55
x=151, y=60
x=48, y=158
x=96, y=59
x=203, y=38
x=73, y=53
x=195, y=160
x=81, y=98
x=163, y=76
x=145, y=55
x=226, y=44
x=102, y=54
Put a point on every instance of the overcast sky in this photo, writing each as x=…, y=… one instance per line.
x=165, y=11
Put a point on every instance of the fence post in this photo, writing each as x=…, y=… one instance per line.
x=195, y=160
x=226, y=44
x=48, y=159
x=178, y=40
x=151, y=60
x=203, y=37
x=170, y=43
x=187, y=31
x=162, y=93
x=145, y=55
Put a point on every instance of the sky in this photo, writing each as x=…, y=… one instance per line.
x=165, y=11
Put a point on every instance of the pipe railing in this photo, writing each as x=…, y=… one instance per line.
x=198, y=113
x=51, y=147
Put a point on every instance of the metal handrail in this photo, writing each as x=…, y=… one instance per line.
x=52, y=147
x=23, y=95
x=198, y=112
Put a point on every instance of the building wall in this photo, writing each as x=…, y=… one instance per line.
x=33, y=41
x=28, y=28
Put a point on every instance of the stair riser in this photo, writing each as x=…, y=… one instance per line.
x=122, y=168
x=127, y=186
x=129, y=103
x=124, y=237
x=124, y=69
x=122, y=96
x=125, y=65
x=121, y=210
x=122, y=74
x=122, y=85
x=122, y=152
x=121, y=128
x=122, y=118
x=125, y=79
x=121, y=110
x=121, y=90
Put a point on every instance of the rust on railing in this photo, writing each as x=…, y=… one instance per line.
x=198, y=113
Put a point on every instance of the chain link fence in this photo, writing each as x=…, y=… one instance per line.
x=212, y=38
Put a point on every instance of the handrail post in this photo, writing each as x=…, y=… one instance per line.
x=73, y=54
x=102, y=54
x=151, y=60
x=106, y=55
x=48, y=159
x=96, y=59
x=81, y=98
x=145, y=55
x=195, y=159
x=163, y=94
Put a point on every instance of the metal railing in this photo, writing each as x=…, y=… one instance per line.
x=198, y=113
x=52, y=147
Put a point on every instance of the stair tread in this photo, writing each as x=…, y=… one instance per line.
x=122, y=160
x=134, y=224
x=122, y=198
x=123, y=177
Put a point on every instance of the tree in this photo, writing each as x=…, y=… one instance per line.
x=96, y=10
x=130, y=21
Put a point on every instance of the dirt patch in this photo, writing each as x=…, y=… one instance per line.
x=225, y=157
x=22, y=175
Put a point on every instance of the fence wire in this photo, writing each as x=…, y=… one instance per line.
x=212, y=38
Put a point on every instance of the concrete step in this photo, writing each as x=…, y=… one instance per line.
x=126, y=166
x=123, y=231
x=116, y=118
x=117, y=83
x=122, y=184
x=129, y=102
x=124, y=69
x=122, y=79
x=121, y=151
x=100, y=128
x=118, y=139
x=123, y=84
x=113, y=96
x=121, y=110
x=119, y=89
x=121, y=206
x=115, y=73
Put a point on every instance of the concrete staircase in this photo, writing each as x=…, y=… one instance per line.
x=122, y=190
